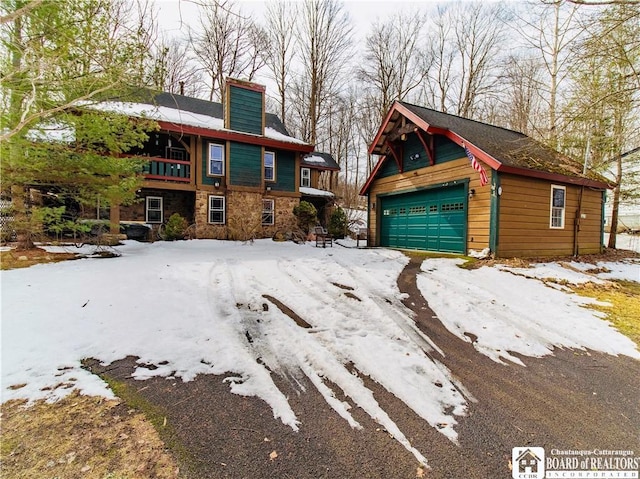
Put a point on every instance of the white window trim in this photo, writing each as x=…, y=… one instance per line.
x=222, y=148
x=551, y=208
x=223, y=210
x=146, y=208
x=271, y=211
x=305, y=174
x=264, y=165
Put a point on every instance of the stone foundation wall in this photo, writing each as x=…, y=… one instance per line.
x=243, y=216
x=180, y=202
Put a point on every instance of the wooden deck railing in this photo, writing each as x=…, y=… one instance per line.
x=168, y=170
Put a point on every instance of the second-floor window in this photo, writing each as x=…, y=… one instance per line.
x=305, y=177
x=269, y=166
x=216, y=159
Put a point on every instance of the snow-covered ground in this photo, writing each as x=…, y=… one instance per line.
x=203, y=307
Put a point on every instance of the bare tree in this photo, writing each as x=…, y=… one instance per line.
x=227, y=44
x=394, y=63
x=172, y=70
x=465, y=45
x=324, y=35
x=549, y=29
x=603, y=113
x=280, y=19
x=520, y=106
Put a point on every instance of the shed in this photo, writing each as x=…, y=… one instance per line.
x=451, y=184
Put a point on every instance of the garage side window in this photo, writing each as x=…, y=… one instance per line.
x=153, y=209
x=216, y=210
x=558, y=206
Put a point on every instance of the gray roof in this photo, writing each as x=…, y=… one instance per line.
x=319, y=161
x=205, y=107
x=507, y=146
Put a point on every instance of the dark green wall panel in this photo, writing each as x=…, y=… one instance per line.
x=447, y=150
x=245, y=110
x=285, y=171
x=245, y=164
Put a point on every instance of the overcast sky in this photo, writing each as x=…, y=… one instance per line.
x=174, y=15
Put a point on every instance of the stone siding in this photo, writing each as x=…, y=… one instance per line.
x=243, y=216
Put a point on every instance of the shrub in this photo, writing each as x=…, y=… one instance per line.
x=306, y=214
x=175, y=228
x=338, y=223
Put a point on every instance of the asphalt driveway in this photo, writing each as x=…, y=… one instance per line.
x=573, y=400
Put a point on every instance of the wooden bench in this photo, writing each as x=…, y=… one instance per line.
x=322, y=237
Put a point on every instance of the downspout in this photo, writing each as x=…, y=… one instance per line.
x=576, y=224
x=494, y=216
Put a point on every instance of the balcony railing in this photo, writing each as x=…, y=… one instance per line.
x=168, y=170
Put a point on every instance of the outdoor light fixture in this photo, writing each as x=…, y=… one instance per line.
x=268, y=188
x=415, y=156
x=216, y=183
x=472, y=193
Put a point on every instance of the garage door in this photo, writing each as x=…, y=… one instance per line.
x=433, y=220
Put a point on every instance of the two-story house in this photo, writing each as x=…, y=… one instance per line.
x=231, y=169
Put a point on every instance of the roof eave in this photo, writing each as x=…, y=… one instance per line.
x=235, y=136
x=560, y=178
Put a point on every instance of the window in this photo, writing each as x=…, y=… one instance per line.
x=267, y=212
x=216, y=210
x=153, y=210
x=452, y=207
x=305, y=177
x=269, y=166
x=558, y=203
x=216, y=159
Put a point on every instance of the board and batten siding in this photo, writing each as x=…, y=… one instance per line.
x=524, y=219
x=478, y=207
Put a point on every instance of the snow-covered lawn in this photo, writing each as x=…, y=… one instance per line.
x=203, y=307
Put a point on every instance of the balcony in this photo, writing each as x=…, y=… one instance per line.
x=174, y=167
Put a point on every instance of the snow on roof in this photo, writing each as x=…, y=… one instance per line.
x=160, y=113
x=315, y=192
x=181, y=117
x=52, y=131
x=314, y=159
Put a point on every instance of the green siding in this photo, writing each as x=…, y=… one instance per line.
x=389, y=167
x=446, y=150
x=285, y=171
x=414, y=146
x=245, y=164
x=245, y=112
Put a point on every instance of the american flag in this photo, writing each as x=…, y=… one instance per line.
x=477, y=166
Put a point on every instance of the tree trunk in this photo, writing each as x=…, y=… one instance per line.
x=616, y=205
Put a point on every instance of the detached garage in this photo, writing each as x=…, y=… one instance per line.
x=446, y=183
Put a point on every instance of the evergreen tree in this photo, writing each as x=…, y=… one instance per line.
x=58, y=60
